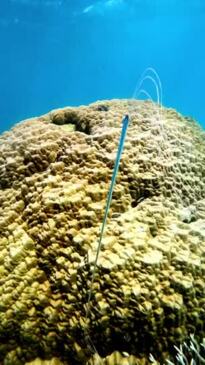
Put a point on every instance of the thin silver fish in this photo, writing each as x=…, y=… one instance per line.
x=125, y=123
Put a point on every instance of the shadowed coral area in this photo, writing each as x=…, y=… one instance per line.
x=149, y=289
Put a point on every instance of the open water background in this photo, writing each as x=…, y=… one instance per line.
x=56, y=53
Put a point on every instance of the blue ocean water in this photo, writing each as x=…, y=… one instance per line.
x=56, y=53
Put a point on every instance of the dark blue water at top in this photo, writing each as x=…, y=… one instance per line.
x=56, y=53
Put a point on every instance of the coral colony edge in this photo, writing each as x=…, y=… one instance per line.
x=148, y=293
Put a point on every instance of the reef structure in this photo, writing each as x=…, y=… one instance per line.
x=149, y=288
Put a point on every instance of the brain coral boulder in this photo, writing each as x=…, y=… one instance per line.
x=148, y=292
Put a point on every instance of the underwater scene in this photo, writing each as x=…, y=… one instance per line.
x=102, y=182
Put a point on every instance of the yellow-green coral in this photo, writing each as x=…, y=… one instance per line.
x=149, y=288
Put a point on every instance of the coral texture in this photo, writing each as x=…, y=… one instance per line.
x=149, y=289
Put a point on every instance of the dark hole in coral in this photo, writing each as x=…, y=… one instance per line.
x=135, y=202
x=72, y=121
x=139, y=197
x=102, y=108
x=82, y=126
x=4, y=184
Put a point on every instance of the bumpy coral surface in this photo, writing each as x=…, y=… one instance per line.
x=149, y=288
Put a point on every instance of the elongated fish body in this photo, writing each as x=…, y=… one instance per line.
x=125, y=123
